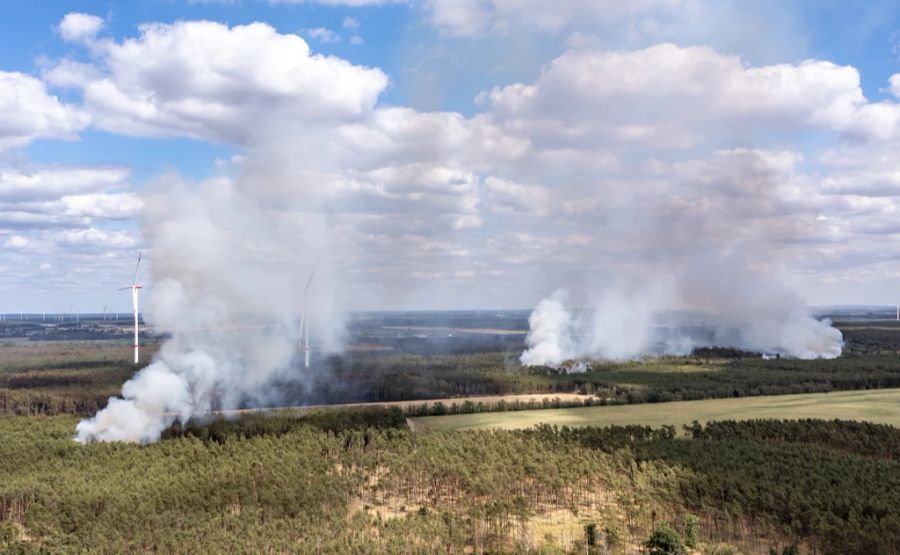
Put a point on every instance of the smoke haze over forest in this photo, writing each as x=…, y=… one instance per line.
x=638, y=158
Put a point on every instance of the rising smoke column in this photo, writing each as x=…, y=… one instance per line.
x=753, y=309
x=616, y=326
x=742, y=308
x=550, y=338
x=226, y=272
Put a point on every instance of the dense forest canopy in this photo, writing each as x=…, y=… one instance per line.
x=360, y=481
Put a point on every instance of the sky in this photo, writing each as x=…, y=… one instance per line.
x=457, y=154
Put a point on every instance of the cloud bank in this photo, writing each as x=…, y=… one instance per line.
x=791, y=156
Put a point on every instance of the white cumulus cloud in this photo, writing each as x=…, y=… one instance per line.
x=28, y=112
x=322, y=34
x=206, y=80
x=76, y=27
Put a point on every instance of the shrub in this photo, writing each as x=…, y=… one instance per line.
x=690, y=524
x=664, y=540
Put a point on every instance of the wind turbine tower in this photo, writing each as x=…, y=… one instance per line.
x=304, y=319
x=134, y=304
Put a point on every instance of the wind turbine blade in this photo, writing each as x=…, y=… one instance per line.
x=312, y=273
x=133, y=281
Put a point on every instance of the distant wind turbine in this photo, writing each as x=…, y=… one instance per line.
x=134, y=303
x=304, y=319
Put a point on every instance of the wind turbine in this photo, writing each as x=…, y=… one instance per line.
x=304, y=319
x=134, y=303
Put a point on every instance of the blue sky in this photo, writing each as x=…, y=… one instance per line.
x=414, y=164
x=862, y=34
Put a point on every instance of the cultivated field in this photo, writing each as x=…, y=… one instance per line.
x=879, y=406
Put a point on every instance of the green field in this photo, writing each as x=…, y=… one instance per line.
x=880, y=406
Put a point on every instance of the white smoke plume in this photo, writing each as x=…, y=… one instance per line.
x=753, y=310
x=730, y=305
x=550, y=339
x=228, y=273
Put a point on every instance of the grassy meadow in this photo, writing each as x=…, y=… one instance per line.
x=879, y=406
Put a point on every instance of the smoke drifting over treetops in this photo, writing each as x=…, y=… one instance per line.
x=228, y=273
x=230, y=258
x=731, y=306
x=682, y=186
x=702, y=237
